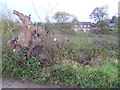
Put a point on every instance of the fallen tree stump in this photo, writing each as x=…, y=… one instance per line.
x=25, y=38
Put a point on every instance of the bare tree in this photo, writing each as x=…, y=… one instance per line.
x=36, y=11
x=47, y=10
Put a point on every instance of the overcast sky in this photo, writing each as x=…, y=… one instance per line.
x=80, y=8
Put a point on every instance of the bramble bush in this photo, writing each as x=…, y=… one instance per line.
x=71, y=73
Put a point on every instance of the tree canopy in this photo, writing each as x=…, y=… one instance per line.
x=75, y=21
x=114, y=19
x=100, y=16
x=62, y=17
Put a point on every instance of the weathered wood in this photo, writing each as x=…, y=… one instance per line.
x=26, y=29
x=35, y=41
x=25, y=19
x=26, y=38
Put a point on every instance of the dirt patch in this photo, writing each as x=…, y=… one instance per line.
x=15, y=83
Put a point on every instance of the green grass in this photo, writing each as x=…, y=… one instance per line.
x=89, y=37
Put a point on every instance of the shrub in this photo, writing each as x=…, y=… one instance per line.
x=77, y=75
x=65, y=74
x=75, y=72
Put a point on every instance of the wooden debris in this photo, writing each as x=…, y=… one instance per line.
x=25, y=38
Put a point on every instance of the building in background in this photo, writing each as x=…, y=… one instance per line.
x=82, y=26
x=113, y=26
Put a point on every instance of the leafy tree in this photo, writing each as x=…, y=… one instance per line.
x=75, y=21
x=61, y=17
x=7, y=20
x=9, y=26
x=100, y=15
x=113, y=19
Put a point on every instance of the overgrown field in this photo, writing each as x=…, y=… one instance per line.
x=86, y=60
